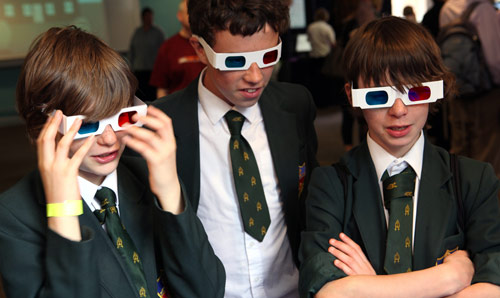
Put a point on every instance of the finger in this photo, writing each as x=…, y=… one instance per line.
x=148, y=138
x=342, y=266
x=159, y=122
x=140, y=147
x=346, y=239
x=65, y=143
x=77, y=158
x=46, y=138
x=342, y=246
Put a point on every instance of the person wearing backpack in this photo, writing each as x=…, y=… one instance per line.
x=470, y=42
x=387, y=224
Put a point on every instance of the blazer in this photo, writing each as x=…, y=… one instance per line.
x=288, y=112
x=361, y=216
x=37, y=262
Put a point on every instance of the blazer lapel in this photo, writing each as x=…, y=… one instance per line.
x=372, y=225
x=187, y=135
x=114, y=281
x=283, y=144
x=136, y=215
x=434, y=209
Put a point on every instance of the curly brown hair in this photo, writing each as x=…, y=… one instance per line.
x=240, y=17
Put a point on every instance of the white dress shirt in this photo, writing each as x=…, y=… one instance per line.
x=384, y=161
x=253, y=269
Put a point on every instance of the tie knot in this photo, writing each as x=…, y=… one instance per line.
x=398, y=186
x=235, y=122
x=106, y=197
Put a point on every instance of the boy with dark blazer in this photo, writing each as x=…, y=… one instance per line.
x=136, y=234
x=239, y=42
x=395, y=232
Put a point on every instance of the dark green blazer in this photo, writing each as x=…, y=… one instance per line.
x=37, y=262
x=361, y=217
x=288, y=112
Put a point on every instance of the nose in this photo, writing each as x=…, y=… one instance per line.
x=108, y=137
x=398, y=109
x=253, y=74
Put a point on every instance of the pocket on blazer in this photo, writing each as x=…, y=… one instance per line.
x=450, y=245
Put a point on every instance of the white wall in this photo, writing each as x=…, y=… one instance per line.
x=420, y=7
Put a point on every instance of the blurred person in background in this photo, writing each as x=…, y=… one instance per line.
x=177, y=63
x=144, y=46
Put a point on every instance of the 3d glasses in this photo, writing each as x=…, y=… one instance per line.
x=383, y=97
x=241, y=61
x=116, y=121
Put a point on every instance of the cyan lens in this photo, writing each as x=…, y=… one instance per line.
x=235, y=62
x=419, y=93
x=374, y=98
x=88, y=127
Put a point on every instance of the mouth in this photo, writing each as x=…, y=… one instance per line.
x=398, y=128
x=106, y=157
x=398, y=131
x=251, y=92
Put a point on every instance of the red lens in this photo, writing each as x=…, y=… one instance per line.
x=270, y=57
x=419, y=93
x=125, y=118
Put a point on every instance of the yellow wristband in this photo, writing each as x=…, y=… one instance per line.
x=67, y=208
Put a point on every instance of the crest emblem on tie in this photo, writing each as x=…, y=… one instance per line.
x=245, y=197
x=142, y=292
x=251, y=222
x=263, y=230
x=253, y=181
x=397, y=225
x=236, y=145
x=240, y=171
x=135, y=257
x=407, y=210
x=396, y=258
x=245, y=156
x=259, y=206
x=392, y=186
x=407, y=242
x=119, y=243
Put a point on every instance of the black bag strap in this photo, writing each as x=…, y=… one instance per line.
x=455, y=170
x=342, y=172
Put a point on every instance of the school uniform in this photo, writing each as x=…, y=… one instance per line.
x=436, y=230
x=37, y=262
x=288, y=157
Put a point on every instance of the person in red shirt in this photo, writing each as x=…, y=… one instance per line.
x=177, y=63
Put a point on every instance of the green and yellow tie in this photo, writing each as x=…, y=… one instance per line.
x=251, y=198
x=398, y=199
x=116, y=231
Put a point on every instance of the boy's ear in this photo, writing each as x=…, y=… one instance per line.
x=198, y=49
x=347, y=88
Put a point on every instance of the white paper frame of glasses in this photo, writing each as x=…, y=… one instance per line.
x=359, y=95
x=217, y=60
x=139, y=107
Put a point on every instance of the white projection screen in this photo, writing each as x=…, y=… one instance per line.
x=22, y=20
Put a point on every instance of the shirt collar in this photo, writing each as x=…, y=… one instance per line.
x=215, y=108
x=88, y=189
x=382, y=159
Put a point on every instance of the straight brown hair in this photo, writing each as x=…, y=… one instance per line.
x=73, y=71
x=398, y=51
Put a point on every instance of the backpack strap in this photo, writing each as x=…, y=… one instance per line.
x=455, y=170
x=468, y=11
x=342, y=172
